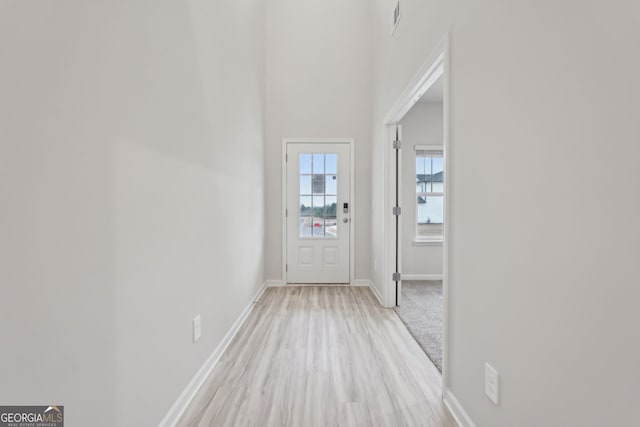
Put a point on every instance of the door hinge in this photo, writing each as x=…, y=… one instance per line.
x=286, y=157
x=397, y=144
x=286, y=213
x=397, y=210
x=395, y=277
x=286, y=268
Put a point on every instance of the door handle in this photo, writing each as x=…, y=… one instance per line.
x=345, y=219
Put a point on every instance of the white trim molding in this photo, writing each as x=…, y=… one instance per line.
x=430, y=71
x=418, y=242
x=431, y=147
x=457, y=411
x=274, y=283
x=187, y=395
x=421, y=276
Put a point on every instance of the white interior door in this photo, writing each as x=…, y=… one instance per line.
x=318, y=212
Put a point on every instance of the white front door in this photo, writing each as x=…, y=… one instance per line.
x=318, y=212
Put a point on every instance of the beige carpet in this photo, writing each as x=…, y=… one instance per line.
x=421, y=311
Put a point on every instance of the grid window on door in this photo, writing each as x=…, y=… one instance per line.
x=318, y=195
x=429, y=195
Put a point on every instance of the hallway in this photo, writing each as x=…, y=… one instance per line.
x=321, y=355
x=150, y=195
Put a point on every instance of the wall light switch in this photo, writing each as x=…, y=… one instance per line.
x=197, y=328
x=491, y=383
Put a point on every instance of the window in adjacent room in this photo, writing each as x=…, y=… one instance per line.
x=429, y=194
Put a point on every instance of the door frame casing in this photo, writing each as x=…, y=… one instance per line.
x=436, y=65
x=352, y=205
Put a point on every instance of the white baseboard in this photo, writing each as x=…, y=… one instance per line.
x=457, y=411
x=357, y=282
x=312, y=285
x=369, y=283
x=274, y=283
x=201, y=376
x=421, y=276
x=375, y=292
x=361, y=282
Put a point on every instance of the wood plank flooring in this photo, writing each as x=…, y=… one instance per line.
x=321, y=356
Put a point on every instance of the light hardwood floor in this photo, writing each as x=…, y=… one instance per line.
x=321, y=356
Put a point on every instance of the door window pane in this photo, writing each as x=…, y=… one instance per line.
x=318, y=206
x=318, y=227
x=306, y=226
x=305, y=163
x=330, y=215
x=318, y=195
x=318, y=184
x=305, y=184
x=318, y=163
x=305, y=206
x=331, y=164
x=331, y=184
x=330, y=206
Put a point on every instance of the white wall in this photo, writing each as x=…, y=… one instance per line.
x=422, y=125
x=318, y=86
x=131, y=154
x=544, y=277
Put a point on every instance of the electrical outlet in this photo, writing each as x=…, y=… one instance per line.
x=491, y=385
x=197, y=328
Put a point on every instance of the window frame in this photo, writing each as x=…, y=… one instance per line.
x=434, y=151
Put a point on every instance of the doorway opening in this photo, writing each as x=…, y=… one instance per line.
x=421, y=180
x=418, y=222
